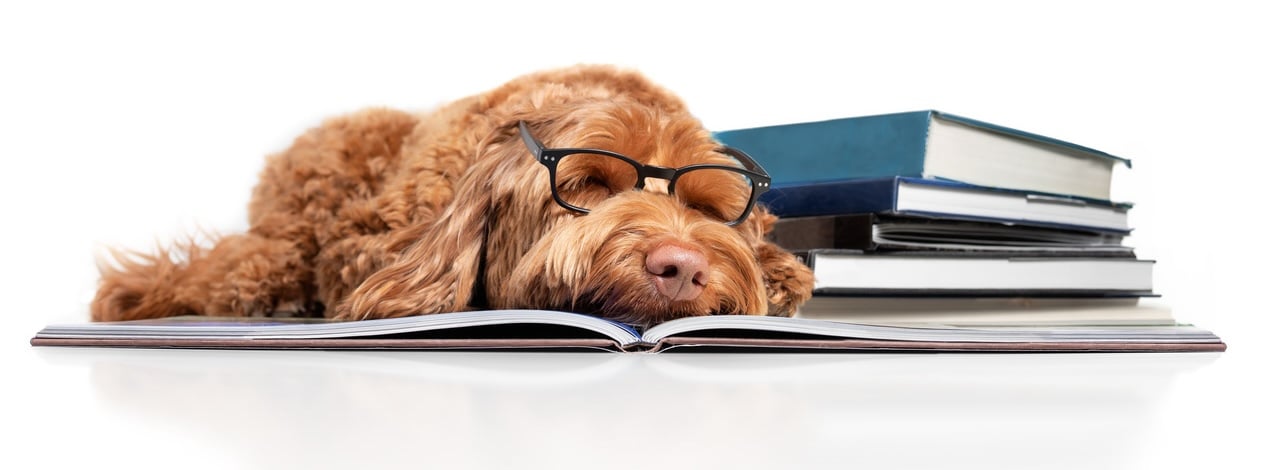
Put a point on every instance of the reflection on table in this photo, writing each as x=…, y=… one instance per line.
x=375, y=409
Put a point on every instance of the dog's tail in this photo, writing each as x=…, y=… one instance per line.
x=137, y=285
x=239, y=275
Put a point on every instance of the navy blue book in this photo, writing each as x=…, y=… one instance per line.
x=926, y=144
x=919, y=197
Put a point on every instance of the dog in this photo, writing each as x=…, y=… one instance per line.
x=587, y=189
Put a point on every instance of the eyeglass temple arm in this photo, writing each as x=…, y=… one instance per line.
x=533, y=145
x=744, y=158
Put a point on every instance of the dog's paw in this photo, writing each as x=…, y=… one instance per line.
x=789, y=282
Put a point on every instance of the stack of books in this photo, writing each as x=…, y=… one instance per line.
x=928, y=217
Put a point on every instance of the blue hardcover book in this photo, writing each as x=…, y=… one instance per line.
x=922, y=197
x=926, y=144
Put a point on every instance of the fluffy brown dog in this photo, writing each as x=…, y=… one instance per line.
x=385, y=214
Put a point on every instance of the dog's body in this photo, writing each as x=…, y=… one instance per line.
x=384, y=214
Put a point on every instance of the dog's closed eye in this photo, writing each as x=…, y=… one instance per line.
x=718, y=194
x=585, y=180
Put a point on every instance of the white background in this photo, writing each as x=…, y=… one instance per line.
x=125, y=124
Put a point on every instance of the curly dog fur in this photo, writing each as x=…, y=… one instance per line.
x=383, y=213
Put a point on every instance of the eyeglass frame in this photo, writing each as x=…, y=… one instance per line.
x=549, y=158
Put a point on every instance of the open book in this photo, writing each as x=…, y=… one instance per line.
x=510, y=329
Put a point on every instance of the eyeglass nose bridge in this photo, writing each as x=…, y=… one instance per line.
x=656, y=172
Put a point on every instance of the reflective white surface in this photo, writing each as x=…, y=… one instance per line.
x=314, y=409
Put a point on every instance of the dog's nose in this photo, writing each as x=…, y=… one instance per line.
x=679, y=272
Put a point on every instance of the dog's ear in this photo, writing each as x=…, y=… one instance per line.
x=434, y=273
x=789, y=282
x=440, y=256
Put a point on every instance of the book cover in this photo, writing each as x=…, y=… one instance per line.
x=926, y=144
x=900, y=195
x=539, y=329
x=989, y=311
x=851, y=272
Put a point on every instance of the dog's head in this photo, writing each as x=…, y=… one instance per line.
x=652, y=220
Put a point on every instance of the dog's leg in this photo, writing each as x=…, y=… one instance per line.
x=241, y=275
x=343, y=265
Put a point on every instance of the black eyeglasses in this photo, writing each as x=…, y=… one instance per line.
x=584, y=178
